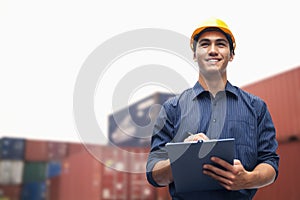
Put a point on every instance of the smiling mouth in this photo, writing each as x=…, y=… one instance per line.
x=213, y=61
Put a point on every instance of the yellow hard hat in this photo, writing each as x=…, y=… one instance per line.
x=209, y=23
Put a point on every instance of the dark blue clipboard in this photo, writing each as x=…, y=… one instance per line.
x=187, y=160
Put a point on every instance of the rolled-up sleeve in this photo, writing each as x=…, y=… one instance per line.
x=162, y=133
x=267, y=143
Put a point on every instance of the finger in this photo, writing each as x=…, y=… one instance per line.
x=222, y=180
x=201, y=136
x=222, y=163
x=218, y=171
x=189, y=138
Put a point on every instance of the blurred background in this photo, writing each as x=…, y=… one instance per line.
x=43, y=46
x=33, y=169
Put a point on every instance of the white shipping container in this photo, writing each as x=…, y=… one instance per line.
x=11, y=172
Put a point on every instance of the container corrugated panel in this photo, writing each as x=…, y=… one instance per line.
x=57, y=150
x=11, y=172
x=36, y=150
x=139, y=188
x=13, y=192
x=75, y=148
x=114, y=174
x=80, y=179
x=41, y=150
x=287, y=183
x=133, y=125
x=282, y=95
x=35, y=172
x=34, y=191
x=12, y=148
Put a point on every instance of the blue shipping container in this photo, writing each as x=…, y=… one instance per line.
x=34, y=191
x=12, y=148
x=53, y=169
x=133, y=125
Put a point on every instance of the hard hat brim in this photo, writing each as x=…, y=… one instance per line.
x=201, y=29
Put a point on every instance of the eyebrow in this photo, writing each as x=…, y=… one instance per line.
x=217, y=40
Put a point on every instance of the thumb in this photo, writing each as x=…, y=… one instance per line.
x=236, y=162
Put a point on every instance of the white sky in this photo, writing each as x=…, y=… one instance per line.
x=43, y=45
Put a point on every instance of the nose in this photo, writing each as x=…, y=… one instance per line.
x=213, y=50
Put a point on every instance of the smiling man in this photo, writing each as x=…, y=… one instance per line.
x=223, y=111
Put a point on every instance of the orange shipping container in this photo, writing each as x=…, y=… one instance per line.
x=80, y=179
x=40, y=150
x=286, y=186
x=282, y=95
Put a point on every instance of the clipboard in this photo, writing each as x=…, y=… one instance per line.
x=187, y=159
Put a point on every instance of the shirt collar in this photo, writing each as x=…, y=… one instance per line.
x=198, y=89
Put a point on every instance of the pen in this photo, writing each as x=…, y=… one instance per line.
x=189, y=133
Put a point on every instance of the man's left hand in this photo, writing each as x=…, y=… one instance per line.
x=232, y=177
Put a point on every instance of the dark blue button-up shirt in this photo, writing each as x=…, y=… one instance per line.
x=231, y=113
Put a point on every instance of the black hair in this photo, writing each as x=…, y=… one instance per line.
x=228, y=37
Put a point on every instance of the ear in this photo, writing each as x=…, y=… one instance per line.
x=231, y=56
x=194, y=57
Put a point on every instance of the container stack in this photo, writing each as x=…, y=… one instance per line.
x=42, y=162
x=282, y=95
x=80, y=178
x=11, y=167
x=132, y=126
x=48, y=170
x=26, y=166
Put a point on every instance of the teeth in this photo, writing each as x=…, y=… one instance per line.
x=213, y=61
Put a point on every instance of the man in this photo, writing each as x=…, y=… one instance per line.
x=214, y=108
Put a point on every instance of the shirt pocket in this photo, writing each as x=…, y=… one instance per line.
x=245, y=136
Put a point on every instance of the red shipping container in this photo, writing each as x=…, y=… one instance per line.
x=281, y=93
x=139, y=188
x=114, y=175
x=40, y=150
x=36, y=150
x=74, y=148
x=80, y=179
x=57, y=150
x=286, y=186
x=13, y=192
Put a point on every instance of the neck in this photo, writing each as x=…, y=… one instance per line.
x=213, y=84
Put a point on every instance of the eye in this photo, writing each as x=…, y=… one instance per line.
x=221, y=44
x=203, y=44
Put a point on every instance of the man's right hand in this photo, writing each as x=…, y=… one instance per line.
x=196, y=137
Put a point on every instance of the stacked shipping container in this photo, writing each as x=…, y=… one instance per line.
x=42, y=162
x=132, y=126
x=282, y=95
x=11, y=167
x=44, y=170
x=27, y=165
x=69, y=171
x=286, y=186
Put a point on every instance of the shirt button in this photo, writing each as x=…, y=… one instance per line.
x=214, y=120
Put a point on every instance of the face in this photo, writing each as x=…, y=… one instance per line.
x=213, y=54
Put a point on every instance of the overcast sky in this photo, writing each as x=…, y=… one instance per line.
x=44, y=44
